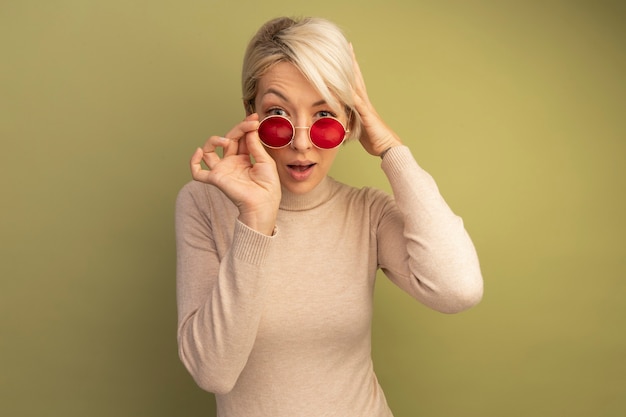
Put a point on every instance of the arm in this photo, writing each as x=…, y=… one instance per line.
x=423, y=246
x=219, y=300
x=220, y=250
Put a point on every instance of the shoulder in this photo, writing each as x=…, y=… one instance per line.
x=202, y=197
x=364, y=196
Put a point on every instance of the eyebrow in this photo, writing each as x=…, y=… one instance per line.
x=285, y=99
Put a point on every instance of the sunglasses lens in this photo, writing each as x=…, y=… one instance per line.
x=275, y=132
x=327, y=133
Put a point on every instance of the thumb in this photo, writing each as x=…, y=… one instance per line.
x=256, y=148
x=253, y=144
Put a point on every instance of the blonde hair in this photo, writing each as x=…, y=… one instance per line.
x=318, y=48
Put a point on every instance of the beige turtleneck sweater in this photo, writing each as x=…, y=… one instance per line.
x=280, y=326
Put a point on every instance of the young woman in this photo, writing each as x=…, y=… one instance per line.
x=277, y=261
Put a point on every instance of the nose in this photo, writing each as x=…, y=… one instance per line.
x=301, y=141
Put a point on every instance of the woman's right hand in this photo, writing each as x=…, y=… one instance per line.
x=253, y=187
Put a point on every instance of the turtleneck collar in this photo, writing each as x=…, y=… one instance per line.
x=312, y=199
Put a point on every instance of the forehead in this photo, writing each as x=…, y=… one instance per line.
x=287, y=82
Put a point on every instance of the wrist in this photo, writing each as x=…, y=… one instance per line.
x=382, y=154
x=264, y=224
x=388, y=147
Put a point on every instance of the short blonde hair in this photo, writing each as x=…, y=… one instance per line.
x=318, y=48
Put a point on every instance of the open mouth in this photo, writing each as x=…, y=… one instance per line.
x=301, y=168
x=301, y=171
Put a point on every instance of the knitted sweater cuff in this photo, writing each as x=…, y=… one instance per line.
x=249, y=245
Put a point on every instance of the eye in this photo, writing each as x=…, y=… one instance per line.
x=326, y=113
x=276, y=111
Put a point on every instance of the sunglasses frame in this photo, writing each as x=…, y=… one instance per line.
x=293, y=131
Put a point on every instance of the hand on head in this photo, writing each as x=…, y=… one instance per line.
x=307, y=82
x=376, y=136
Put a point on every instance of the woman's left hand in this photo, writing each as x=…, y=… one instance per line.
x=376, y=137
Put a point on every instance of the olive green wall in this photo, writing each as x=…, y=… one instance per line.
x=516, y=108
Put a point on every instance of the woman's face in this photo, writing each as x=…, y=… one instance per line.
x=284, y=91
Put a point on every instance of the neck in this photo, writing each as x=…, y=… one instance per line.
x=297, y=202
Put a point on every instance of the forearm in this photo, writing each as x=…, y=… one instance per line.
x=442, y=261
x=220, y=294
x=215, y=338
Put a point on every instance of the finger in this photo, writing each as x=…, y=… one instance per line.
x=210, y=157
x=256, y=149
x=195, y=164
x=252, y=116
x=231, y=147
x=249, y=124
x=213, y=143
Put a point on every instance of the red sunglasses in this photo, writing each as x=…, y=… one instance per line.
x=277, y=132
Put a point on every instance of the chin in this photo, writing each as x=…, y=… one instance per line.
x=300, y=187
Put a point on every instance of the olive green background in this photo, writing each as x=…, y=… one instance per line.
x=516, y=108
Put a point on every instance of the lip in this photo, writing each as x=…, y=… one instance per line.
x=301, y=170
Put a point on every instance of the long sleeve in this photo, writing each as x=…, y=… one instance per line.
x=220, y=288
x=281, y=325
x=423, y=246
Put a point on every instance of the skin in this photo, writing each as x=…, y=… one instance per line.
x=255, y=188
x=284, y=91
